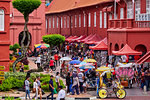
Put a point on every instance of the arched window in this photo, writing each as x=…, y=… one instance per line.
x=116, y=47
x=2, y=20
x=122, y=45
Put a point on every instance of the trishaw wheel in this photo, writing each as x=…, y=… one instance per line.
x=121, y=93
x=103, y=93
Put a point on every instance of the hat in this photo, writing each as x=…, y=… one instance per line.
x=81, y=70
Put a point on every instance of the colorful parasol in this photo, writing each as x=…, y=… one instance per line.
x=89, y=60
x=43, y=46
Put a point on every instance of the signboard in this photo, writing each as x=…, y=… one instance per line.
x=2, y=73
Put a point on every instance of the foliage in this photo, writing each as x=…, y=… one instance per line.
x=14, y=48
x=16, y=80
x=26, y=67
x=53, y=39
x=26, y=6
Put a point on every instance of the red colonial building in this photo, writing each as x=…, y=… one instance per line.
x=4, y=33
x=121, y=21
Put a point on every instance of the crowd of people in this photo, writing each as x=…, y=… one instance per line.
x=78, y=81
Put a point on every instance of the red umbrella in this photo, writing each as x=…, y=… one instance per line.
x=126, y=50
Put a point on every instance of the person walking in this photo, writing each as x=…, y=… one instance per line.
x=56, y=59
x=81, y=80
x=51, y=64
x=35, y=89
x=27, y=88
x=51, y=87
x=75, y=85
x=57, y=80
x=61, y=93
x=39, y=87
x=68, y=82
x=147, y=79
x=38, y=61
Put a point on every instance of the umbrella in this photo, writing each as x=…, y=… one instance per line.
x=125, y=65
x=42, y=46
x=86, y=67
x=103, y=68
x=65, y=59
x=75, y=62
x=89, y=60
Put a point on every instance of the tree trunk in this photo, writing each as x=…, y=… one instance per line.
x=24, y=49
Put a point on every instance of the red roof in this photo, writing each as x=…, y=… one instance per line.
x=104, y=40
x=93, y=39
x=70, y=39
x=86, y=38
x=58, y=6
x=100, y=46
x=126, y=50
x=145, y=58
x=79, y=38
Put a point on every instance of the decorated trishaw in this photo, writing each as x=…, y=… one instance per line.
x=125, y=73
x=103, y=90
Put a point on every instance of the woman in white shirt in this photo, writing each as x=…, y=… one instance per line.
x=35, y=88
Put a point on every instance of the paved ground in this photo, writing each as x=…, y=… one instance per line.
x=132, y=94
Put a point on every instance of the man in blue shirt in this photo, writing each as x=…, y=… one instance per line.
x=51, y=88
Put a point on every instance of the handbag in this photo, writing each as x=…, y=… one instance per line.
x=33, y=90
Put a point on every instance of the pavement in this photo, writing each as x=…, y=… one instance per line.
x=132, y=94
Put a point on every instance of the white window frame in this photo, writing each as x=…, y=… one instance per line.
x=2, y=20
x=68, y=21
x=121, y=13
x=94, y=19
x=46, y=23
x=57, y=22
x=129, y=9
x=75, y=21
x=61, y=22
x=110, y=16
x=84, y=19
x=64, y=22
x=148, y=6
x=53, y=22
x=105, y=20
x=80, y=20
x=89, y=20
x=100, y=16
x=49, y=22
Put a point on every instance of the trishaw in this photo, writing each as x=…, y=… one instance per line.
x=103, y=90
x=64, y=66
x=125, y=73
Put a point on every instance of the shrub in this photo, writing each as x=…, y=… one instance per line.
x=26, y=67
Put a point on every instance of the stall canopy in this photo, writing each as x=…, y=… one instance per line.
x=104, y=40
x=126, y=50
x=70, y=39
x=95, y=38
x=83, y=40
x=79, y=38
x=100, y=46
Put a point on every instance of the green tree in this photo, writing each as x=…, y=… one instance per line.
x=14, y=48
x=53, y=40
x=26, y=7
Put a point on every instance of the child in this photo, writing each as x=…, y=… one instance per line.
x=85, y=85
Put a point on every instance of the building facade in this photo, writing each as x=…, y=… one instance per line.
x=130, y=26
x=36, y=25
x=122, y=22
x=82, y=20
x=4, y=33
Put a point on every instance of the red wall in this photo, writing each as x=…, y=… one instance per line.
x=4, y=35
x=80, y=30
